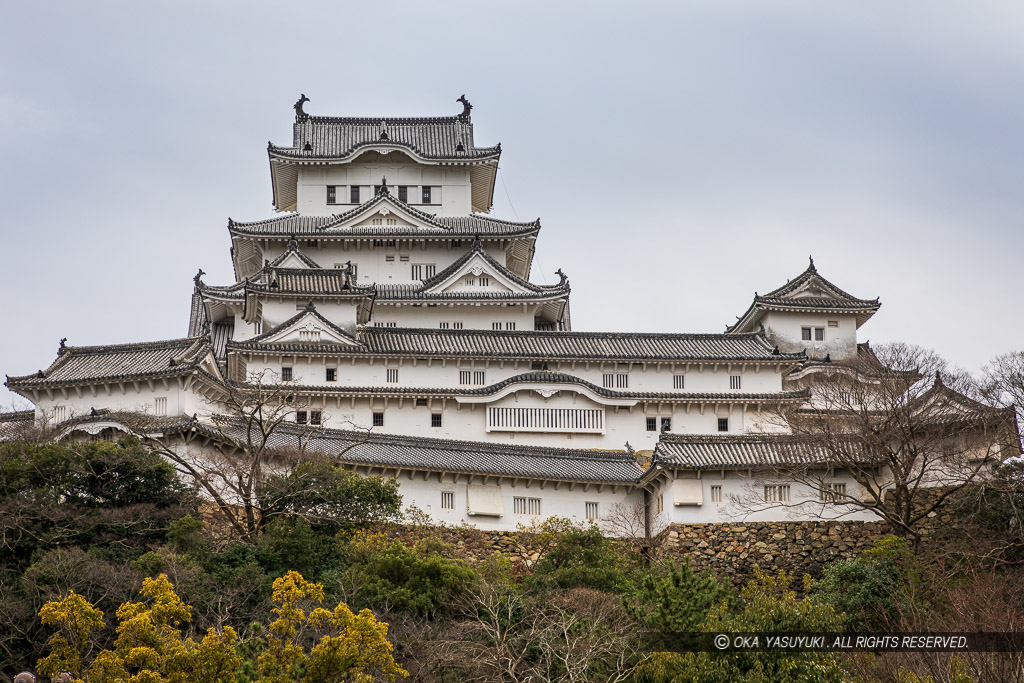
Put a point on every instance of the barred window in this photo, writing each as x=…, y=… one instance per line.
x=805, y=333
x=332, y=196
x=426, y=194
x=470, y=281
x=832, y=492
x=510, y=326
x=332, y=374
x=392, y=375
x=444, y=325
x=716, y=494
x=666, y=424
x=819, y=334
x=485, y=281
x=353, y=194
x=735, y=382
x=833, y=323
x=422, y=271
x=314, y=417
x=592, y=510
x=403, y=193
x=301, y=417
x=447, y=500
x=776, y=493
x=723, y=424
x=678, y=381
x=160, y=406
x=659, y=504
x=495, y=326
x=378, y=419
x=652, y=424
x=435, y=419
x=478, y=377
x=60, y=413
x=286, y=374
x=465, y=377
x=616, y=380
x=526, y=506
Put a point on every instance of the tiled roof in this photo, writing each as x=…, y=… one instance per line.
x=558, y=345
x=293, y=249
x=337, y=138
x=13, y=424
x=435, y=226
x=310, y=308
x=302, y=281
x=386, y=450
x=78, y=364
x=786, y=297
x=547, y=377
x=747, y=450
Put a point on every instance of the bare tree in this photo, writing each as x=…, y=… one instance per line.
x=906, y=436
x=631, y=522
x=244, y=456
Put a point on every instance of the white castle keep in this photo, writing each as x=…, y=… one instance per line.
x=402, y=320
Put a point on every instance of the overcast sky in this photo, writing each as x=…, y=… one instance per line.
x=680, y=155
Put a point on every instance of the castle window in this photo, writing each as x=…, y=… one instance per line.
x=353, y=194
x=332, y=375
x=776, y=493
x=819, y=334
x=526, y=506
x=470, y=281
x=315, y=417
x=160, y=406
x=422, y=271
x=652, y=424
x=495, y=326
x=592, y=510
x=60, y=413
x=426, y=192
x=393, y=375
x=421, y=403
x=735, y=382
x=833, y=323
x=716, y=494
x=390, y=258
x=832, y=492
x=378, y=419
x=435, y=419
x=678, y=381
x=385, y=323
x=659, y=504
x=404, y=258
x=666, y=424
x=332, y=194
x=286, y=374
x=478, y=377
x=447, y=500
x=485, y=281
x=510, y=326
x=723, y=424
x=805, y=333
x=403, y=193
x=301, y=417
x=444, y=326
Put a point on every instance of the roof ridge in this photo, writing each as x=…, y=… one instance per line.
x=565, y=333
x=131, y=346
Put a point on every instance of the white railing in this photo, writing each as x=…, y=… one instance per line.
x=580, y=420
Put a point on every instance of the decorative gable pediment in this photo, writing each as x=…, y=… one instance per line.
x=308, y=328
x=384, y=217
x=477, y=274
x=292, y=259
x=385, y=211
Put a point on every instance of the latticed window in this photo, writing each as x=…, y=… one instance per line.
x=332, y=194
x=592, y=510
x=776, y=493
x=444, y=325
x=526, y=506
x=427, y=194
x=478, y=377
x=392, y=375
x=832, y=492
x=716, y=494
x=60, y=413
x=819, y=334
x=510, y=326
x=332, y=375
x=301, y=417
x=470, y=281
x=652, y=424
x=353, y=194
x=485, y=281
x=723, y=424
x=495, y=326
x=286, y=374
x=314, y=417
x=423, y=271
x=403, y=193
x=805, y=333
x=735, y=382
x=447, y=500
x=678, y=381
x=160, y=406
x=435, y=419
x=378, y=419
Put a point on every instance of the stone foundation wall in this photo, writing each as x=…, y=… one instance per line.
x=733, y=549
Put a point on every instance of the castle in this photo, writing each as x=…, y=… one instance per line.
x=401, y=321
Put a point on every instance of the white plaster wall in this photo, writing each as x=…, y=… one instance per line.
x=127, y=398
x=450, y=196
x=471, y=317
x=557, y=500
x=784, y=329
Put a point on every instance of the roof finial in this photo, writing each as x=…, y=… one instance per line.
x=562, y=276
x=307, y=147
x=293, y=243
x=63, y=345
x=383, y=129
x=383, y=188
x=811, y=267
x=466, y=106
x=299, y=114
x=938, y=379
x=199, y=276
x=459, y=147
x=310, y=306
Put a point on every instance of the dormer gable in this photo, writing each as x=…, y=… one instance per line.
x=307, y=327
